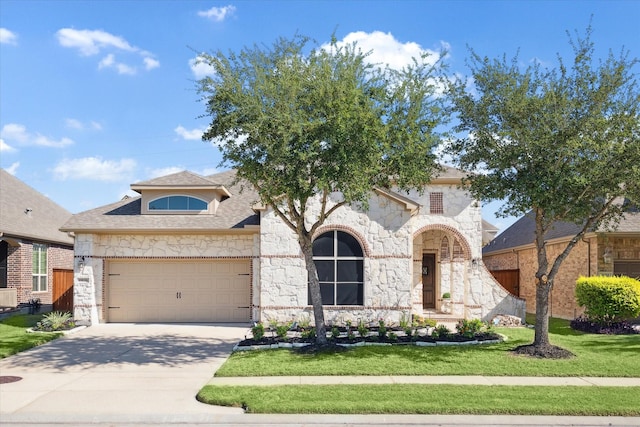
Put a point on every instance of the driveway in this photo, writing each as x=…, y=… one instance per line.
x=130, y=370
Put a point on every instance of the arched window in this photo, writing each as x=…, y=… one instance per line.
x=339, y=261
x=444, y=249
x=177, y=203
x=458, y=252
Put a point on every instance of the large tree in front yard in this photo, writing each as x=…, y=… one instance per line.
x=560, y=142
x=298, y=121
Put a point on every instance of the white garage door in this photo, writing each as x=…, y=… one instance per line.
x=178, y=291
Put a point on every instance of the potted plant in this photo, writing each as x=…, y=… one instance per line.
x=445, y=307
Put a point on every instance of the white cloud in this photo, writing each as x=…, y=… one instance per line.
x=155, y=173
x=385, y=49
x=13, y=169
x=95, y=168
x=8, y=37
x=90, y=42
x=218, y=14
x=6, y=148
x=190, y=135
x=78, y=125
x=18, y=133
x=93, y=42
x=150, y=63
x=200, y=68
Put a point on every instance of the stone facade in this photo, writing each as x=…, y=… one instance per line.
x=93, y=251
x=393, y=239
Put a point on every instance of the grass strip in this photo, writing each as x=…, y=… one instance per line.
x=14, y=337
x=596, y=355
x=427, y=399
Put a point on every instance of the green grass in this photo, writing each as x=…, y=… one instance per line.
x=14, y=337
x=428, y=399
x=596, y=355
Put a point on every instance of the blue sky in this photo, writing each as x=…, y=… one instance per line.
x=96, y=95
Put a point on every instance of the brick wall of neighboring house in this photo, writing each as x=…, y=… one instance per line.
x=581, y=261
x=20, y=267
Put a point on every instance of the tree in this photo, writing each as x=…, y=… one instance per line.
x=561, y=143
x=298, y=125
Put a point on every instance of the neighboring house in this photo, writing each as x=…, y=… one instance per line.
x=512, y=256
x=36, y=258
x=198, y=249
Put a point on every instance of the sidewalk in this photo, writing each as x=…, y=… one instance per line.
x=408, y=379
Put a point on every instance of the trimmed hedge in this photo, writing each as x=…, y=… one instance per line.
x=608, y=299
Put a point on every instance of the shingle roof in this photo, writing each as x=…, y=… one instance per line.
x=233, y=213
x=26, y=213
x=522, y=232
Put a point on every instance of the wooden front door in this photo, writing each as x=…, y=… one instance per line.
x=63, y=290
x=428, y=281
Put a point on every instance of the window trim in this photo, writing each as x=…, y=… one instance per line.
x=168, y=196
x=335, y=259
x=39, y=282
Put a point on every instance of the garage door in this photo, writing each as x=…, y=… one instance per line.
x=178, y=291
x=627, y=268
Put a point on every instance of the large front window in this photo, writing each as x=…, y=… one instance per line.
x=339, y=261
x=39, y=267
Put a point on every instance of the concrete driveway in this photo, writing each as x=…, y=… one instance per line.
x=130, y=370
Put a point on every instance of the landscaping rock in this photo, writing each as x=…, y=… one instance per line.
x=506, y=320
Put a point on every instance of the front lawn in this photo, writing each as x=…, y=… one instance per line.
x=428, y=399
x=14, y=337
x=596, y=355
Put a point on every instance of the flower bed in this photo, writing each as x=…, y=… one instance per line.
x=346, y=336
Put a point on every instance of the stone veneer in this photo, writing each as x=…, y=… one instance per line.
x=94, y=249
x=393, y=241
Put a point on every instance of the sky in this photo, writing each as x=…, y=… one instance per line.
x=97, y=95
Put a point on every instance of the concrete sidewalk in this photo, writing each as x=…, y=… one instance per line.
x=423, y=379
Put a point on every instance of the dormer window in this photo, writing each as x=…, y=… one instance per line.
x=177, y=203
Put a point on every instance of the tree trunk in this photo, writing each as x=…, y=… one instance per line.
x=541, y=338
x=314, y=291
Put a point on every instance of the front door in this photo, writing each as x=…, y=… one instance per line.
x=428, y=281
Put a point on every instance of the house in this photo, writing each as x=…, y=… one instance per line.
x=600, y=252
x=36, y=258
x=201, y=249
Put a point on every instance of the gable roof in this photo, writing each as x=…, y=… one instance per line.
x=27, y=214
x=233, y=213
x=522, y=232
x=180, y=180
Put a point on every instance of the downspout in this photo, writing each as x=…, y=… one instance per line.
x=588, y=242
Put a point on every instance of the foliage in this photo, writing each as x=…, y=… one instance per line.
x=585, y=324
x=363, y=331
x=404, y=321
x=55, y=321
x=441, y=331
x=257, y=330
x=608, y=299
x=304, y=124
x=282, y=329
x=469, y=327
x=446, y=295
x=309, y=333
x=335, y=332
x=558, y=144
x=382, y=329
x=423, y=322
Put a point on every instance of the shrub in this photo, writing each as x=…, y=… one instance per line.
x=335, y=332
x=469, y=328
x=281, y=330
x=363, y=331
x=382, y=329
x=258, y=331
x=309, y=333
x=614, y=328
x=55, y=321
x=608, y=299
x=422, y=322
x=441, y=331
x=446, y=295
